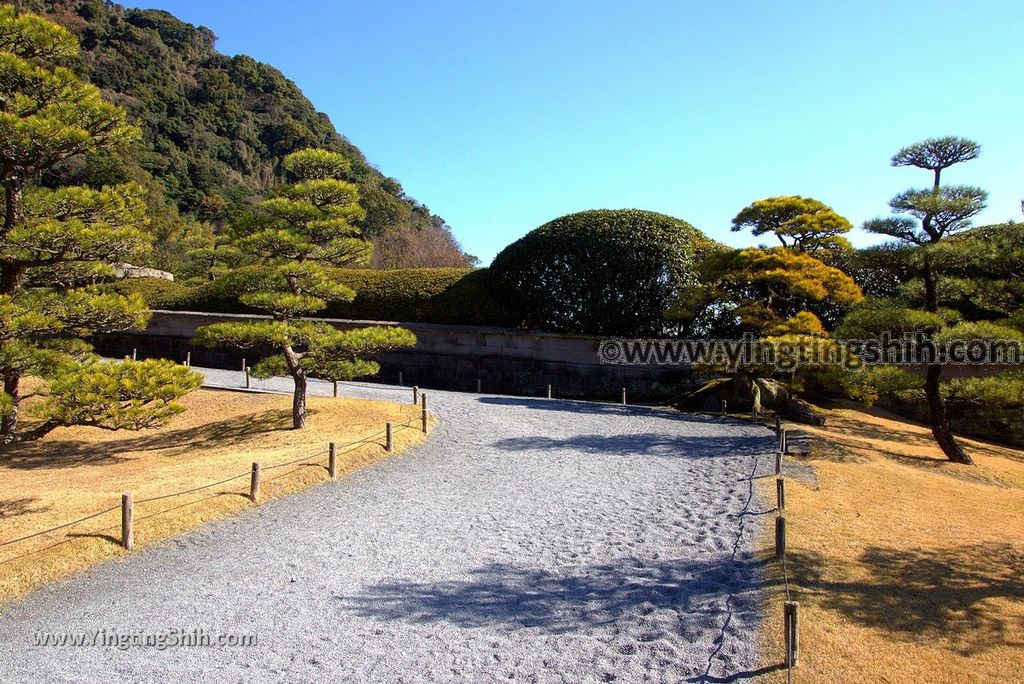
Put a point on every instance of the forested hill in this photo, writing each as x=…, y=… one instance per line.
x=215, y=129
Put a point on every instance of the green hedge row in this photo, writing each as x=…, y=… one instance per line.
x=426, y=295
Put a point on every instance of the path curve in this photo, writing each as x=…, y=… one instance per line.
x=528, y=540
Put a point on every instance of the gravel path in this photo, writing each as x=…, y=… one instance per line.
x=527, y=540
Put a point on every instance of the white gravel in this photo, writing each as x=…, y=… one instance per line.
x=527, y=540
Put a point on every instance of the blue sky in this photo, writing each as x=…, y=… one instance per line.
x=503, y=115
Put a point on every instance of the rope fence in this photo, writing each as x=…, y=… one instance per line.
x=128, y=503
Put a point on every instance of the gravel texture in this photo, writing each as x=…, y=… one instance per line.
x=528, y=540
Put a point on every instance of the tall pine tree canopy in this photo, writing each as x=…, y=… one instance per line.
x=301, y=229
x=53, y=241
x=214, y=132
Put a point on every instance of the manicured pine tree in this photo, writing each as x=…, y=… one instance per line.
x=304, y=228
x=925, y=219
x=801, y=224
x=53, y=242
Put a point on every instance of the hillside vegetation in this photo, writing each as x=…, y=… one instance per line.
x=214, y=131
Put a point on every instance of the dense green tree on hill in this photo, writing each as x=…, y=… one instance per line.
x=303, y=228
x=57, y=240
x=214, y=128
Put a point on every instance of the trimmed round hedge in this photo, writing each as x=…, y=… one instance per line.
x=603, y=272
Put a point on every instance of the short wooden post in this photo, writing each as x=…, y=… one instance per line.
x=623, y=396
x=479, y=386
x=549, y=391
x=723, y=406
x=243, y=364
x=792, y=626
x=783, y=438
x=389, y=437
x=332, y=460
x=423, y=413
x=254, y=483
x=135, y=354
x=778, y=463
x=127, y=533
x=780, y=536
x=415, y=394
x=188, y=358
x=400, y=380
x=780, y=493
x=335, y=388
x=248, y=378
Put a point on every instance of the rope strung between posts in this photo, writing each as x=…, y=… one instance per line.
x=60, y=527
x=347, y=447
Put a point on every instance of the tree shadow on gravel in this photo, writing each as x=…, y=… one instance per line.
x=614, y=409
x=655, y=444
x=510, y=597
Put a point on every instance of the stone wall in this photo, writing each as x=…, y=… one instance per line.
x=507, y=361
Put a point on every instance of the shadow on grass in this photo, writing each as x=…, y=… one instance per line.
x=55, y=452
x=925, y=594
x=10, y=508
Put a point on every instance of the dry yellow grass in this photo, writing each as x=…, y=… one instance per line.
x=74, y=472
x=908, y=568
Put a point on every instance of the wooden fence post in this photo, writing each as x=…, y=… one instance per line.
x=248, y=378
x=135, y=354
x=778, y=463
x=332, y=461
x=400, y=383
x=783, y=439
x=792, y=626
x=188, y=358
x=623, y=396
x=243, y=364
x=423, y=416
x=335, y=388
x=127, y=533
x=780, y=493
x=549, y=391
x=780, y=536
x=254, y=483
x=389, y=437
x=415, y=394
x=724, y=403
x=479, y=386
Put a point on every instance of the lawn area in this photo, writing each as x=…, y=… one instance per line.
x=907, y=568
x=74, y=472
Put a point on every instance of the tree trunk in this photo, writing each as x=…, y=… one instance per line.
x=9, y=424
x=940, y=420
x=11, y=277
x=292, y=359
x=936, y=404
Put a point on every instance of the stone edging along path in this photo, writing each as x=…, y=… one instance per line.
x=528, y=540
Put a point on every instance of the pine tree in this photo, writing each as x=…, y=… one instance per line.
x=924, y=219
x=802, y=224
x=55, y=242
x=305, y=228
